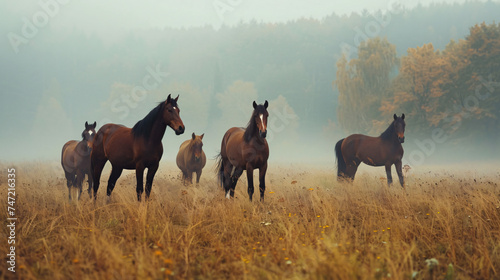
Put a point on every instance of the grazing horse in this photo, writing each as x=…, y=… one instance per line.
x=384, y=150
x=75, y=160
x=136, y=148
x=191, y=158
x=245, y=149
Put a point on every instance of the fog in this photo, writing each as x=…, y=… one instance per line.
x=63, y=63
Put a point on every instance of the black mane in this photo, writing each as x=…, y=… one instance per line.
x=143, y=127
x=251, y=128
x=389, y=132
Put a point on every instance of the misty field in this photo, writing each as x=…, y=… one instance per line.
x=446, y=225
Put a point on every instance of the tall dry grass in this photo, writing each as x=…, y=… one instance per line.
x=309, y=227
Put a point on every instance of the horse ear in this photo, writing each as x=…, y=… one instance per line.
x=194, y=136
x=395, y=117
x=169, y=99
x=403, y=116
x=254, y=105
x=266, y=104
x=86, y=125
x=177, y=98
x=201, y=136
x=94, y=124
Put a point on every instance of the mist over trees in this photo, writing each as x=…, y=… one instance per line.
x=81, y=77
x=453, y=92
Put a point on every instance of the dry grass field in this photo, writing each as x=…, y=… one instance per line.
x=446, y=225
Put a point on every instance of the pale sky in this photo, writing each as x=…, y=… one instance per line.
x=119, y=15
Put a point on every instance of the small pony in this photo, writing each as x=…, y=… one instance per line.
x=245, y=149
x=75, y=160
x=384, y=150
x=191, y=158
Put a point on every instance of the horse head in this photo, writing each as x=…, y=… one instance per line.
x=171, y=115
x=196, y=146
x=260, y=116
x=88, y=134
x=399, y=127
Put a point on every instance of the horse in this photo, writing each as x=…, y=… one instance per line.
x=136, y=148
x=75, y=160
x=384, y=150
x=191, y=158
x=245, y=149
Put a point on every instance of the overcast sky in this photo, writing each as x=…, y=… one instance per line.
x=126, y=14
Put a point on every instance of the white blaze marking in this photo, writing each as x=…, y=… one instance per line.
x=90, y=132
x=175, y=108
x=262, y=121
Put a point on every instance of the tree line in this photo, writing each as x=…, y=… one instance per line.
x=456, y=89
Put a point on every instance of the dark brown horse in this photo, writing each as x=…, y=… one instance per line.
x=384, y=150
x=191, y=158
x=75, y=160
x=245, y=149
x=136, y=148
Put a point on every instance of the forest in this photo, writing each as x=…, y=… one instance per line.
x=323, y=78
x=448, y=94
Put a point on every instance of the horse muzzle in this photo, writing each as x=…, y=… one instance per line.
x=179, y=130
x=263, y=134
x=401, y=139
x=197, y=159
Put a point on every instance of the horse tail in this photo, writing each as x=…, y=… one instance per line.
x=341, y=166
x=219, y=168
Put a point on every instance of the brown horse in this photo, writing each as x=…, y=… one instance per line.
x=136, y=148
x=245, y=149
x=75, y=160
x=384, y=150
x=191, y=158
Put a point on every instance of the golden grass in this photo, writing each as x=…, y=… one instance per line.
x=309, y=227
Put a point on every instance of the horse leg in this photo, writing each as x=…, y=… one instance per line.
x=399, y=170
x=89, y=181
x=249, y=168
x=139, y=175
x=184, y=176
x=198, y=175
x=79, y=182
x=236, y=173
x=69, y=182
x=262, y=181
x=389, y=174
x=190, y=177
x=226, y=179
x=351, y=169
x=149, y=178
x=96, y=174
x=113, y=177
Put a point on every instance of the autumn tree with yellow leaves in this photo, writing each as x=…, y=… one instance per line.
x=456, y=89
x=362, y=82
